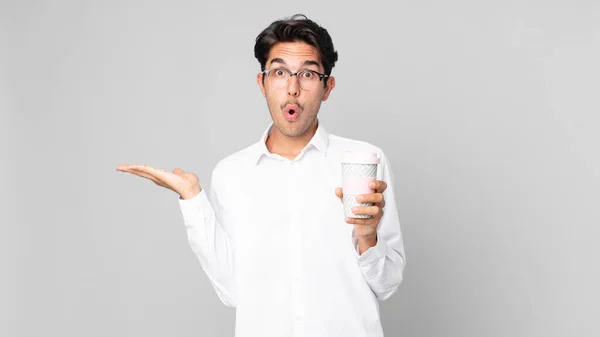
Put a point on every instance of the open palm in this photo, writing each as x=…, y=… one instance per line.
x=185, y=184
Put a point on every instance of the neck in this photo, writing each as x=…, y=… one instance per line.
x=289, y=147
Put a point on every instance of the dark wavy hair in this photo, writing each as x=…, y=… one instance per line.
x=298, y=28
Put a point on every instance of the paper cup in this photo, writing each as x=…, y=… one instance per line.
x=358, y=170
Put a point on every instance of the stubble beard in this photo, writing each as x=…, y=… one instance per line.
x=295, y=132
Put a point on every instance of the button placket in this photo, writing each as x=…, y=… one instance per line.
x=296, y=246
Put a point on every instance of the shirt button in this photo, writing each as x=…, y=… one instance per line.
x=298, y=318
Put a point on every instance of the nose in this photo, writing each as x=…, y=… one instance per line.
x=293, y=87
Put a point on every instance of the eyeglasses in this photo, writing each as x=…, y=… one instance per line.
x=307, y=79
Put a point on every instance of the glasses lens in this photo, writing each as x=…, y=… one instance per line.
x=308, y=80
x=278, y=77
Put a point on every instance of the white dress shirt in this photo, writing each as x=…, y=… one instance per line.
x=272, y=239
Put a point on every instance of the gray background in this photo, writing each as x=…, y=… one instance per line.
x=487, y=110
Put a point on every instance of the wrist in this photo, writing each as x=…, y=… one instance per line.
x=366, y=241
x=191, y=194
x=368, y=238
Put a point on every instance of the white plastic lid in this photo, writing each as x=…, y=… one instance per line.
x=351, y=157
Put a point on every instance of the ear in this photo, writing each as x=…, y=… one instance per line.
x=328, y=88
x=259, y=78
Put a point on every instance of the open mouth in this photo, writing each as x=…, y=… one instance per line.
x=291, y=109
x=291, y=112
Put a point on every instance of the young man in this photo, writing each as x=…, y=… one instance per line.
x=271, y=234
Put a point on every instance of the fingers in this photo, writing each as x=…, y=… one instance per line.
x=339, y=194
x=367, y=210
x=147, y=176
x=148, y=170
x=367, y=222
x=125, y=167
x=357, y=221
x=375, y=211
x=376, y=198
x=370, y=197
x=178, y=171
x=145, y=171
x=378, y=185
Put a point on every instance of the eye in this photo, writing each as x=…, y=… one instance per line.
x=308, y=74
x=279, y=73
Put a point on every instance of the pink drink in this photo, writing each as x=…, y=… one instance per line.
x=358, y=170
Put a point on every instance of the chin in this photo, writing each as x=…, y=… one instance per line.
x=294, y=130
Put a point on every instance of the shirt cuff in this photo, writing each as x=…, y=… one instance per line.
x=199, y=204
x=372, y=254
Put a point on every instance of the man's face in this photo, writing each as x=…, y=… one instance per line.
x=293, y=108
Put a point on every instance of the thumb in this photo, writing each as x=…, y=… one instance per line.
x=178, y=171
x=339, y=193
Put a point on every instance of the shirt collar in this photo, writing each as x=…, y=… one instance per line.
x=320, y=141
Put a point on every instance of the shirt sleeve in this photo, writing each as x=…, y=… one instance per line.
x=383, y=264
x=210, y=242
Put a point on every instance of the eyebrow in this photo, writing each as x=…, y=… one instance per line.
x=305, y=63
